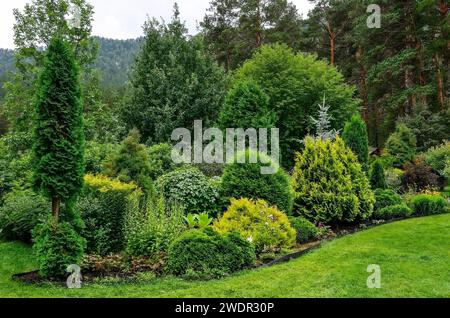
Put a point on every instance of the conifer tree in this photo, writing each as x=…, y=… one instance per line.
x=377, y=178
x=59, y=137
x=355, y=137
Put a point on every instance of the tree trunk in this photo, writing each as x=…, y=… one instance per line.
x=56, y=206
x=363, y=85
x=440, y=82
x=331, y=36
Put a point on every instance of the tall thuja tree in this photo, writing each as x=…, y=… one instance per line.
x=355, y=137
x=59, y=138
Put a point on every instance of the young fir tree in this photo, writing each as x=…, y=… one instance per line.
x=377, y=178
x=355, y=137
x=323, y=123
x=59, y=137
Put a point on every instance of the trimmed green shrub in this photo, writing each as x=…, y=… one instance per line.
x=419, y=176
x=268, y=228
x=356, y=138
x=428, y=204
x=57, y=246
x=402, y=145
x=306, y=231
x=245, y=180
x=386, y=198
x=329, y=184
x=151, y=233
x=246, y=106
x=103, y=207
x=206, y=253
x=160, y=160
x=398, y=211
x=377, y=176
x=21, y=212
x=189, y=188
x=439, y=159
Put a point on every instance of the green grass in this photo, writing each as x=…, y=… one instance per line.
x=414, y=256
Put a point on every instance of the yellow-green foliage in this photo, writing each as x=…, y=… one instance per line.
x=329, y=183
x=103, y=205
x=267, y=227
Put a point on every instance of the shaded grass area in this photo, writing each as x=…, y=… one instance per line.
x=414, y=256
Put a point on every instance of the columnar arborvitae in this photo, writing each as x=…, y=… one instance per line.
x=356, y=137
x=59, y=137
x=377, y=178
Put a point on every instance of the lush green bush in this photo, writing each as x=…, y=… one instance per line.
x=306, y=231
x=246, y=181
x=206, y=253
x=95, y=156
x=385, y=198
x=329, y=184
x=57, y=246
x=439, y=159
x=246, y=106
x=189, y=188
x=428, y=204
x=377, y=176
x=151, y=233
x=130, y=163
x=103, y=207
x=21, y=212
x=296, y=84
x=356, y=137
x=268, y=228
x=419, y=176
x=402, y=145
x=398, y=211
x=394, y=178
x=160, y=159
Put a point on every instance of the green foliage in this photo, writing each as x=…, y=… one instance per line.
x=246, y=181
x=161, y=162
x=103, y=206
x=131, y=162
x=399, y=211
x=306, y=231
x=377, y=176
x=96, y=155
x=189, y=188
x=402, y=145
x=393, y=178
x=428, y=204
x=355, y=137
x=419, y=176
x=20, y=213
x=57, y=246
x=200, y=221
x=206, y=253
x=151, y=233
x=246, y=106
x=439, y=159
x=173, y=83
x=329, y=183
x=59, y=139
x=296, y=84
x=265, y=226
x=385, y=198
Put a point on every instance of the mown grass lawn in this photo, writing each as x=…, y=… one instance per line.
x=414, y=256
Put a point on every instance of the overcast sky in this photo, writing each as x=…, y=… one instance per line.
x=123, y=19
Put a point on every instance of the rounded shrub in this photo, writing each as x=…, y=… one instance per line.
x=394, y=178
x=402, y=145
x=428, y=204
x=386, y=198
x=398, y=211
x=306, y=231
x=21, y=212
x=419, y=176
x=439, y=159
x=57, y=246
x=206, y=254
x=245, y=180
x=189, y=188
x=267, y=227
x=329, y=183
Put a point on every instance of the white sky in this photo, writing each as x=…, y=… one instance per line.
x=123, y=19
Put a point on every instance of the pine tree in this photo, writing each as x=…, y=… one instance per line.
x=355, y=137
x=59, y=137
x=377, y=178
x=323, y=123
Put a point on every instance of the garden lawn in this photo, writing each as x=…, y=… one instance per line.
x=414, y=256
